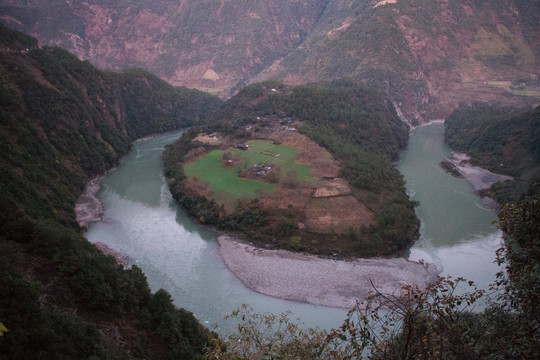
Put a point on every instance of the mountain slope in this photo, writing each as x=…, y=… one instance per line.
x=428, y=56
x=205, y=44
x=61, y=122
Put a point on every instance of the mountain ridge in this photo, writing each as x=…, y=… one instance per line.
x=428, y=57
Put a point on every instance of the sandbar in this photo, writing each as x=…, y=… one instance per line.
x=479, y=178
x=310, y=279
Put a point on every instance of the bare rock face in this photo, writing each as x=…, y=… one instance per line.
x=88, y=208
x=211, y=45
x=427, y=58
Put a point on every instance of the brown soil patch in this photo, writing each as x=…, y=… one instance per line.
x=298, y=197
x=322, y=163
x=339, y=214
x=334, y=187
x=209, y=139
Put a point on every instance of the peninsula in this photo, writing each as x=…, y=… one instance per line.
x=305, y=168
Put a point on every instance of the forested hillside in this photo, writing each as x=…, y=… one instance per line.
x=503, y=140
x=63, y=122
x=204, y=44
x=358, y=127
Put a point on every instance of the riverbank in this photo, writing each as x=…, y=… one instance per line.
x=309, y=279
x=479, y=178
x=121, y=259
x=88, y=208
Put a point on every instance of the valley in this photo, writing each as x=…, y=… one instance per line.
x=297, y=146
x=178, y=254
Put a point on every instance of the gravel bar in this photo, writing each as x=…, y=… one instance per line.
x=310, y=279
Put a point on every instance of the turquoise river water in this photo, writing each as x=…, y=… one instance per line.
x=142, y=221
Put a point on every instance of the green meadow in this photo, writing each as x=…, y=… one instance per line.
x=265, y=152
x=225, y=181
x=225, y=184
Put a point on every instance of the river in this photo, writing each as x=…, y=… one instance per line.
x=142, y=221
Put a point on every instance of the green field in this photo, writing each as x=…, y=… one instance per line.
x=225, y=184
x=224, y=181
x=283, y=156
x=526, y=91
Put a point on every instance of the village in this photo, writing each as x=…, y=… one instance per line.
x=262, y=128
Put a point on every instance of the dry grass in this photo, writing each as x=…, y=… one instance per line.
x=298, y=197
x=323, y=164
x=337, y=215
x=333, y=187
x=209, y=139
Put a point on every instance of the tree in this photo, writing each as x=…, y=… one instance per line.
x=520, y=222
x=269, y=336
x=414, y=323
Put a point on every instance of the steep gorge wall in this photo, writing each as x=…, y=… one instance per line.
x=427, y=56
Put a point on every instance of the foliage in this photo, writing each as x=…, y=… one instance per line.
x=269, y=336
x=411, y=324
x=14, y=40
x=178, y=328
x=34, y=333
x=505, y=140
x=62, y=121
x=3, y=329
x=344, y=107
x=414, y=323
x=520, y=222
